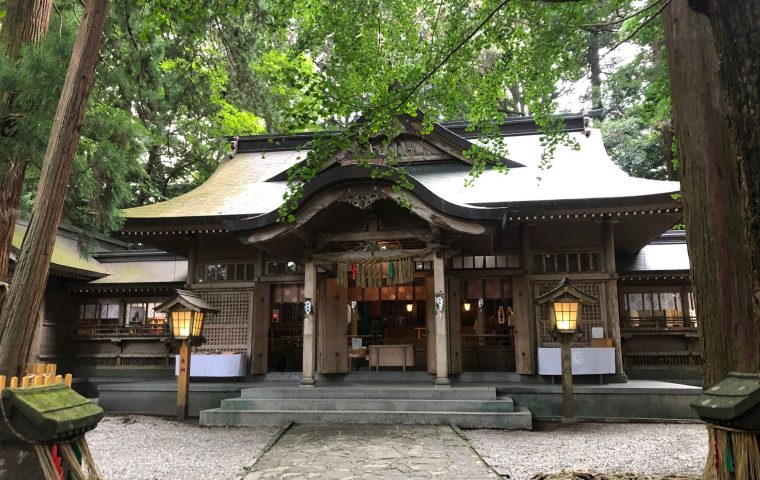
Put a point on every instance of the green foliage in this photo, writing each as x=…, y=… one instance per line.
x=157, y=114
x=177, y=76
x=378, y=60
x=636, y=148
x=637, y=104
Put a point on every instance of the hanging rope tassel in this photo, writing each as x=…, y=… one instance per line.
x=729, y=454
x=353, y=271
x=391, y=273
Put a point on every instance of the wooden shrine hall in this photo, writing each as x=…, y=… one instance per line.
x=440, y=277
x=395, y=304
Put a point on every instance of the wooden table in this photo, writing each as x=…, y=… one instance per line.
x=391, y=356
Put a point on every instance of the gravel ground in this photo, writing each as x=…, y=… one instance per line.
x=642, y=448
x=148, y=448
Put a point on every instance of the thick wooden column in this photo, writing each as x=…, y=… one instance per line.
x=333, y=341
x=441, y=323
x=611, y=295
x=524, y=326
x=309, y=321
x=455, y=324
x=262, y=313
x=430, y=323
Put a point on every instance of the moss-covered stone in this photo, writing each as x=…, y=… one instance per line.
x=47, y=413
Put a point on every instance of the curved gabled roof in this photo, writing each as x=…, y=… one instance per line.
x=577, y=178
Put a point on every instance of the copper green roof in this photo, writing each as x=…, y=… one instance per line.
x=156, y=271
x=237, y=187
x=243, y=186
x=66, y=255
x=67, y=260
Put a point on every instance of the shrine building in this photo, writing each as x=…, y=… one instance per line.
x=440, y=279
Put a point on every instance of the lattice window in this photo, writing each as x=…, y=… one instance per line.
x=591, y=315
x=230, y=329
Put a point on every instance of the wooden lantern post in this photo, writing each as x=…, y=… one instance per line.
x=186, y=312
x=565, y=303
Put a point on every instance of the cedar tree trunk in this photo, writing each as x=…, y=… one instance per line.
x=717, y=183
x=25, y=22
x=736, y=26
x=595, y=69
x=28, y=288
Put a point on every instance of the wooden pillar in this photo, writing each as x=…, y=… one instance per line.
x=481, y=319
x=262, y=316
x=455, y=325
x=524, y=326
x=441, y=324
x=430, y=323
x=309, y=338
x=568, y=410
x=183, y=380
x=611, y=296
x=332, y=340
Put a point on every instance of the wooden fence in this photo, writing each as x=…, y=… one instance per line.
x=36, y=374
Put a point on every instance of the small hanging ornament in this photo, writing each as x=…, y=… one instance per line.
x=353, y=271
x=391, y=270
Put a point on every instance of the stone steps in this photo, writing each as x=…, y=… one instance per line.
x=467, y=407
x=367, y=405
x=519, y=419
x=379, y=392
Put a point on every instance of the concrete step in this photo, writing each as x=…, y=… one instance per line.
x=379, y=392
x=520, y=419
x=501, y=405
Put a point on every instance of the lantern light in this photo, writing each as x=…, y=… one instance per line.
x=565, y=301
x=187, y=312
x=409, y=307
x=467, y=306
x=566, y=310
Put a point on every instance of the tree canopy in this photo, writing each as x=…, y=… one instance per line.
x=176, y=78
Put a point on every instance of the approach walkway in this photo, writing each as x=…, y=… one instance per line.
x=371, y=452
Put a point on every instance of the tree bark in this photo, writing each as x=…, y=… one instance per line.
x=736, y=26
x=28, y=288
x=719, y=184
x=595, y=69
x=26, y=22
x=666, y=131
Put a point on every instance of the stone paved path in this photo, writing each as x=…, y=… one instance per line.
x=371, y=452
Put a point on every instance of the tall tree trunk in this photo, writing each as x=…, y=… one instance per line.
x=595, y=69
x=718, y=213
x=28, y=288
x=666, y=132
x=26, y=22
x=736, y=26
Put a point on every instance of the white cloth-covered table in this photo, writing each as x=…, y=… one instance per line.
x=221, y=365
x=586, y=361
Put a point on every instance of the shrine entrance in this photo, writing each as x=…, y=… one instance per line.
x=387, y=327
x=487, y=330
x=285, y=343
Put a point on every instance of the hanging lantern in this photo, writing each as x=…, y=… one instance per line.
x=409, y=307
x=467, y=306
